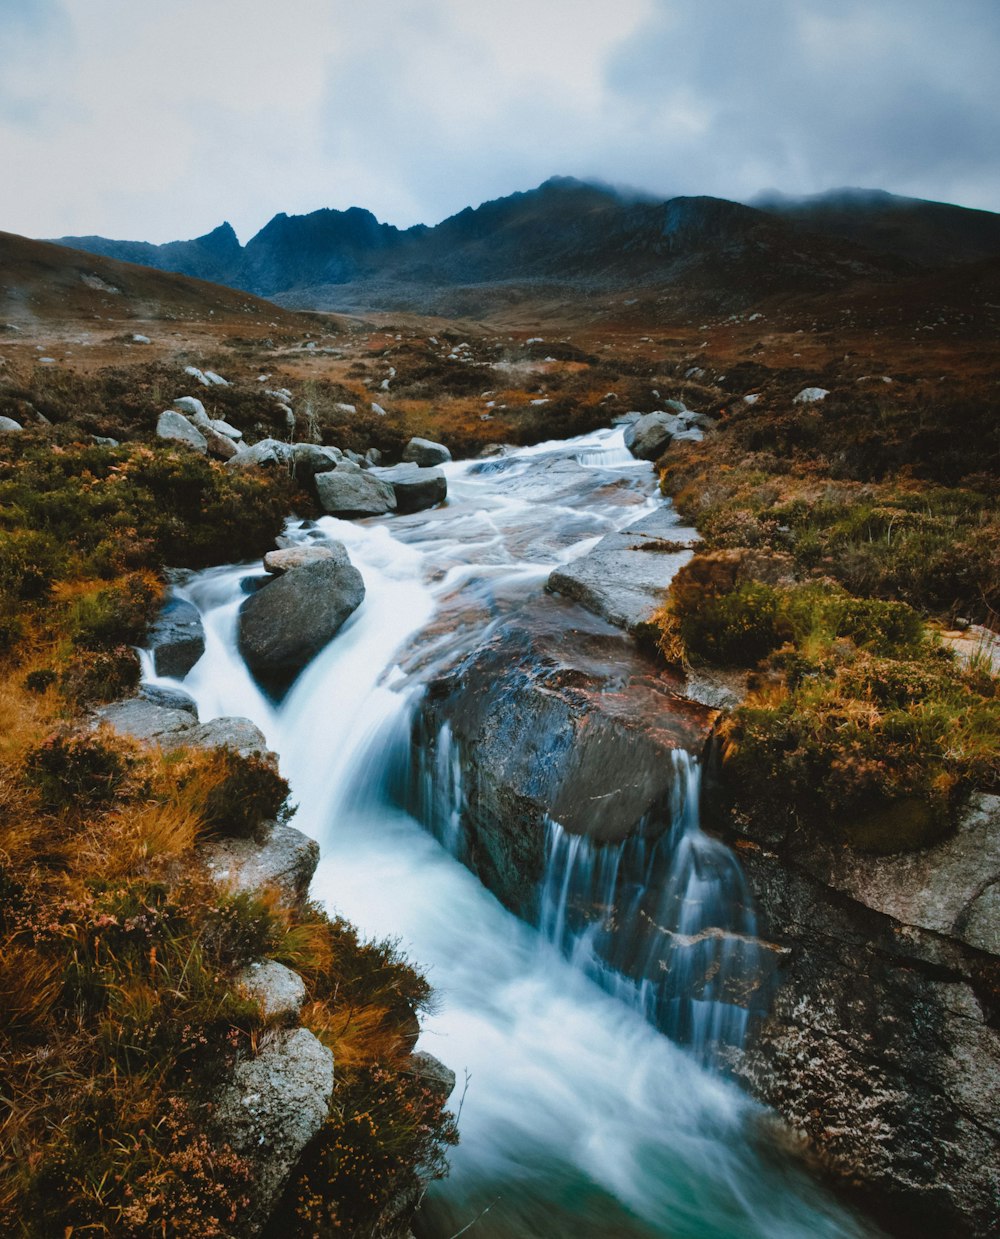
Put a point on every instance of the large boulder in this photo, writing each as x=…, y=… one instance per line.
x=283, y=863
x=177, y=638
x=278, y=990
x=175, y=428
x=415, y=488
x=9, y=427
x=270, y=1109
x=425, y=452
x=650, y=436
x=349, y=491
x=308, y=459
x=288, y=622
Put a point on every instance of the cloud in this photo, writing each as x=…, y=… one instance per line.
x=159, y=121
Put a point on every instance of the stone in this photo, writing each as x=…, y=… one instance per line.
x=9, y=427
x=169, y=698
x=265, y=454
x=273, y=1105
x=231, y=732
x=177, y=638
x=220, y=447
x=288, y=622
x=284, y=863
x=346, y=491
x=433, y=1074
x=425, y=452
x=223, y=428
x=624, y=579
x=811, y=395
x=415, y=488
x=191, y=407
x=308, y=459
x=373, y=456
x=649, y=437
x=104, y=441
x=175, y=428
x=287, y=558
x=280, y=992
x=145, y=721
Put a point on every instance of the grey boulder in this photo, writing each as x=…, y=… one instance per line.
x=649, y=437
x=177, y=638
x=278, y=990
x=415, y=488
x=9, y=427
x=425, y=452
x=348, y=491
x=175, y=428
x=267, y=454
x=288, y=622
x=288, y=557
x=284, y=863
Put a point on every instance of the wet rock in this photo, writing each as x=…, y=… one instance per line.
x=175, y=428
x=177, y=638
x=267, y=454
x=283, y=863
x=297, y=556
x=625, y=578
x=425, y=452
x=558, y=716
x=269, y=1111
x=278, y=990
x=285, y=624
x=169, y=698
x=415, y=488
x=347, y=491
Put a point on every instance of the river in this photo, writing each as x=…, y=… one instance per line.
x=578, y=1119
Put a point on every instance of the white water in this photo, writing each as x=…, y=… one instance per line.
x=579, y=1119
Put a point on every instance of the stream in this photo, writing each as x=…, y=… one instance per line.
x=579, y=1119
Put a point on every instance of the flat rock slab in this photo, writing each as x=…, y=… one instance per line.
x=150, y=723
x=625, y=578
x=285, y=862
x=273, y=1105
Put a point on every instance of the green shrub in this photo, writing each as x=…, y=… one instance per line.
x=79, y=769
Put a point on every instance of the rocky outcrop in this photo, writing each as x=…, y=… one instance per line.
x=650, y=436
x=625, y=578
x=414, y=487
x=287, y=622
x=425, y=452
x=348, y=490
x=272, y=1107
x=882, y=1043
x=177, y=638
x=557, y=716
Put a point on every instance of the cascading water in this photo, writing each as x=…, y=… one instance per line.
x=580, y=1120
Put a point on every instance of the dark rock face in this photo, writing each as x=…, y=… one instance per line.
x=350, y=491
x=415, y=488
x=177, y=639
x=285, y=624
x=882, y=1044
x=624, y=579
x=556, y=716
x=425, y=452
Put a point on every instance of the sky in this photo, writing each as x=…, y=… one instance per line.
x=158, y=121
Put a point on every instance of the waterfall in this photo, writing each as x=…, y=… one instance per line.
x=581, y=1121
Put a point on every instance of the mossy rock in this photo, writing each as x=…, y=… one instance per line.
x=903, y=826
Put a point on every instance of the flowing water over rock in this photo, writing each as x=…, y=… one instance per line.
x=579, y=1119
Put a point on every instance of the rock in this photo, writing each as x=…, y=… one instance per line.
x=425, y=452
x=177, y=638
x=373, y=456
x=216, y=379
x=169, y=698
x=491, y=450
x=280, y=992
x=195, y=373
x=239, y=734
x=223, y=428
x=415, y=488
x=141, y=339
x=146, y=721
x=266, y=454
x=624, y=579
x=879, y=1046
x=347, y=491
x=220, y=447
x=269, y=1111
x=285, y=624
x=811, y=395
x=104, y=441
x=433, y=1074
x=9, y=427
x=356, y=458
x=175, y=428
x=284, y=863
x=649, y=437
x=557, y=717
x=287, y=558
x=308, y=459
x=191, y=407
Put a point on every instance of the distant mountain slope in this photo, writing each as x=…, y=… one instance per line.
x=587, y=236
x=930, y=233
x=41, y=281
